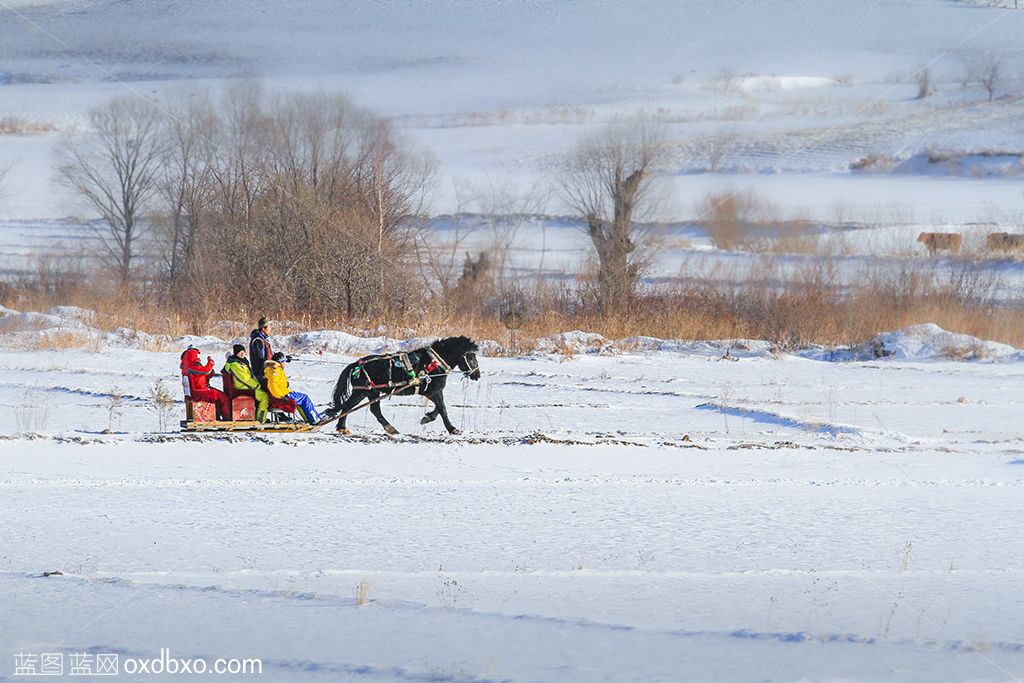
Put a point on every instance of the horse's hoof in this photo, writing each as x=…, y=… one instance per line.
x=390, y=430
x=454, y=432
x=425, y=420
x=345, y=432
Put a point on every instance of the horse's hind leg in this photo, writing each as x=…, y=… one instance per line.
x=431, y=415
x=348, y=405
x=375, y=409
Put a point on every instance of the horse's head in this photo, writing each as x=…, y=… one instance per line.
x=470, y=366
x=459, y=352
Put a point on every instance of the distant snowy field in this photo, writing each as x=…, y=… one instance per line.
x=498, y=90
x=643, y=510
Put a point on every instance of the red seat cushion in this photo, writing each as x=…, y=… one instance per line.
x=284, y=404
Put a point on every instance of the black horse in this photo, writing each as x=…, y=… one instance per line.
x=423, y=371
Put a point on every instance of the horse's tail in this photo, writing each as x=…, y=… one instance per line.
x=343, y=389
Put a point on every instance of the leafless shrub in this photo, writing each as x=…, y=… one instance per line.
x=734, y=218
x=501, y=212
x=163, y=403
x=33, y=413
x=310, y=201
x=724, y=80
x=795, y=236
x=450, y=592
x=438, y=260
x=476, y=281
x=115, y=408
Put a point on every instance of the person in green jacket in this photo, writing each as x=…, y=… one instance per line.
x=245, y=382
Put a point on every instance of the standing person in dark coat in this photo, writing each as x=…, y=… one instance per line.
x=259, y=349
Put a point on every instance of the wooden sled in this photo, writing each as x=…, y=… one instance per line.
x=202, y=417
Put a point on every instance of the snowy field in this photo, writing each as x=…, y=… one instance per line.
x=638, y=510
x=671, y=512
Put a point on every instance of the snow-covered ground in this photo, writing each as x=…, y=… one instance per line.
x=641, y=510
x=638, y=510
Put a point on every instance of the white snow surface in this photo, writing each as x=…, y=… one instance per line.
x=635, y=510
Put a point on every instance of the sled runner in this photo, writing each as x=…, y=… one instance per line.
x=220, y=426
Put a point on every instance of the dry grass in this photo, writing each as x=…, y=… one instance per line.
x=15, y=125
x=770, y=300
x=802, y=315
x=62, y=341
x=362, y=591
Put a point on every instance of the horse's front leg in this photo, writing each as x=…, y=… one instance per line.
x=431, y=414
x=442, y=409
x=375, y=409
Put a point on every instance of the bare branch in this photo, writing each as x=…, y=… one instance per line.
x=114, y=167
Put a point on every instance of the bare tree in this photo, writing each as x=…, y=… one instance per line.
x=718, y=146
x=987, y=71
x=503, y=211
x=186, y=189
x=438, y=259
x=298, y=201
x=115, y=167
x=606, y=179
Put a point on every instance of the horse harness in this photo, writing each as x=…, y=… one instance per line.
x=401, y=361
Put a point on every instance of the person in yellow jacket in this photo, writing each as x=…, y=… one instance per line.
x=245, y=382
x=277, y=385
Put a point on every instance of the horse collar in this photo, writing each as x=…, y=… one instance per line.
x=437, y=359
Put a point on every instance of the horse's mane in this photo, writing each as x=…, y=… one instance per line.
x=455, y=345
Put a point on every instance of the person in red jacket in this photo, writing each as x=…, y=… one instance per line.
x=199, y=382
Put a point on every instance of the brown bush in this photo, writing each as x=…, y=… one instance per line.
x=736, y=219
